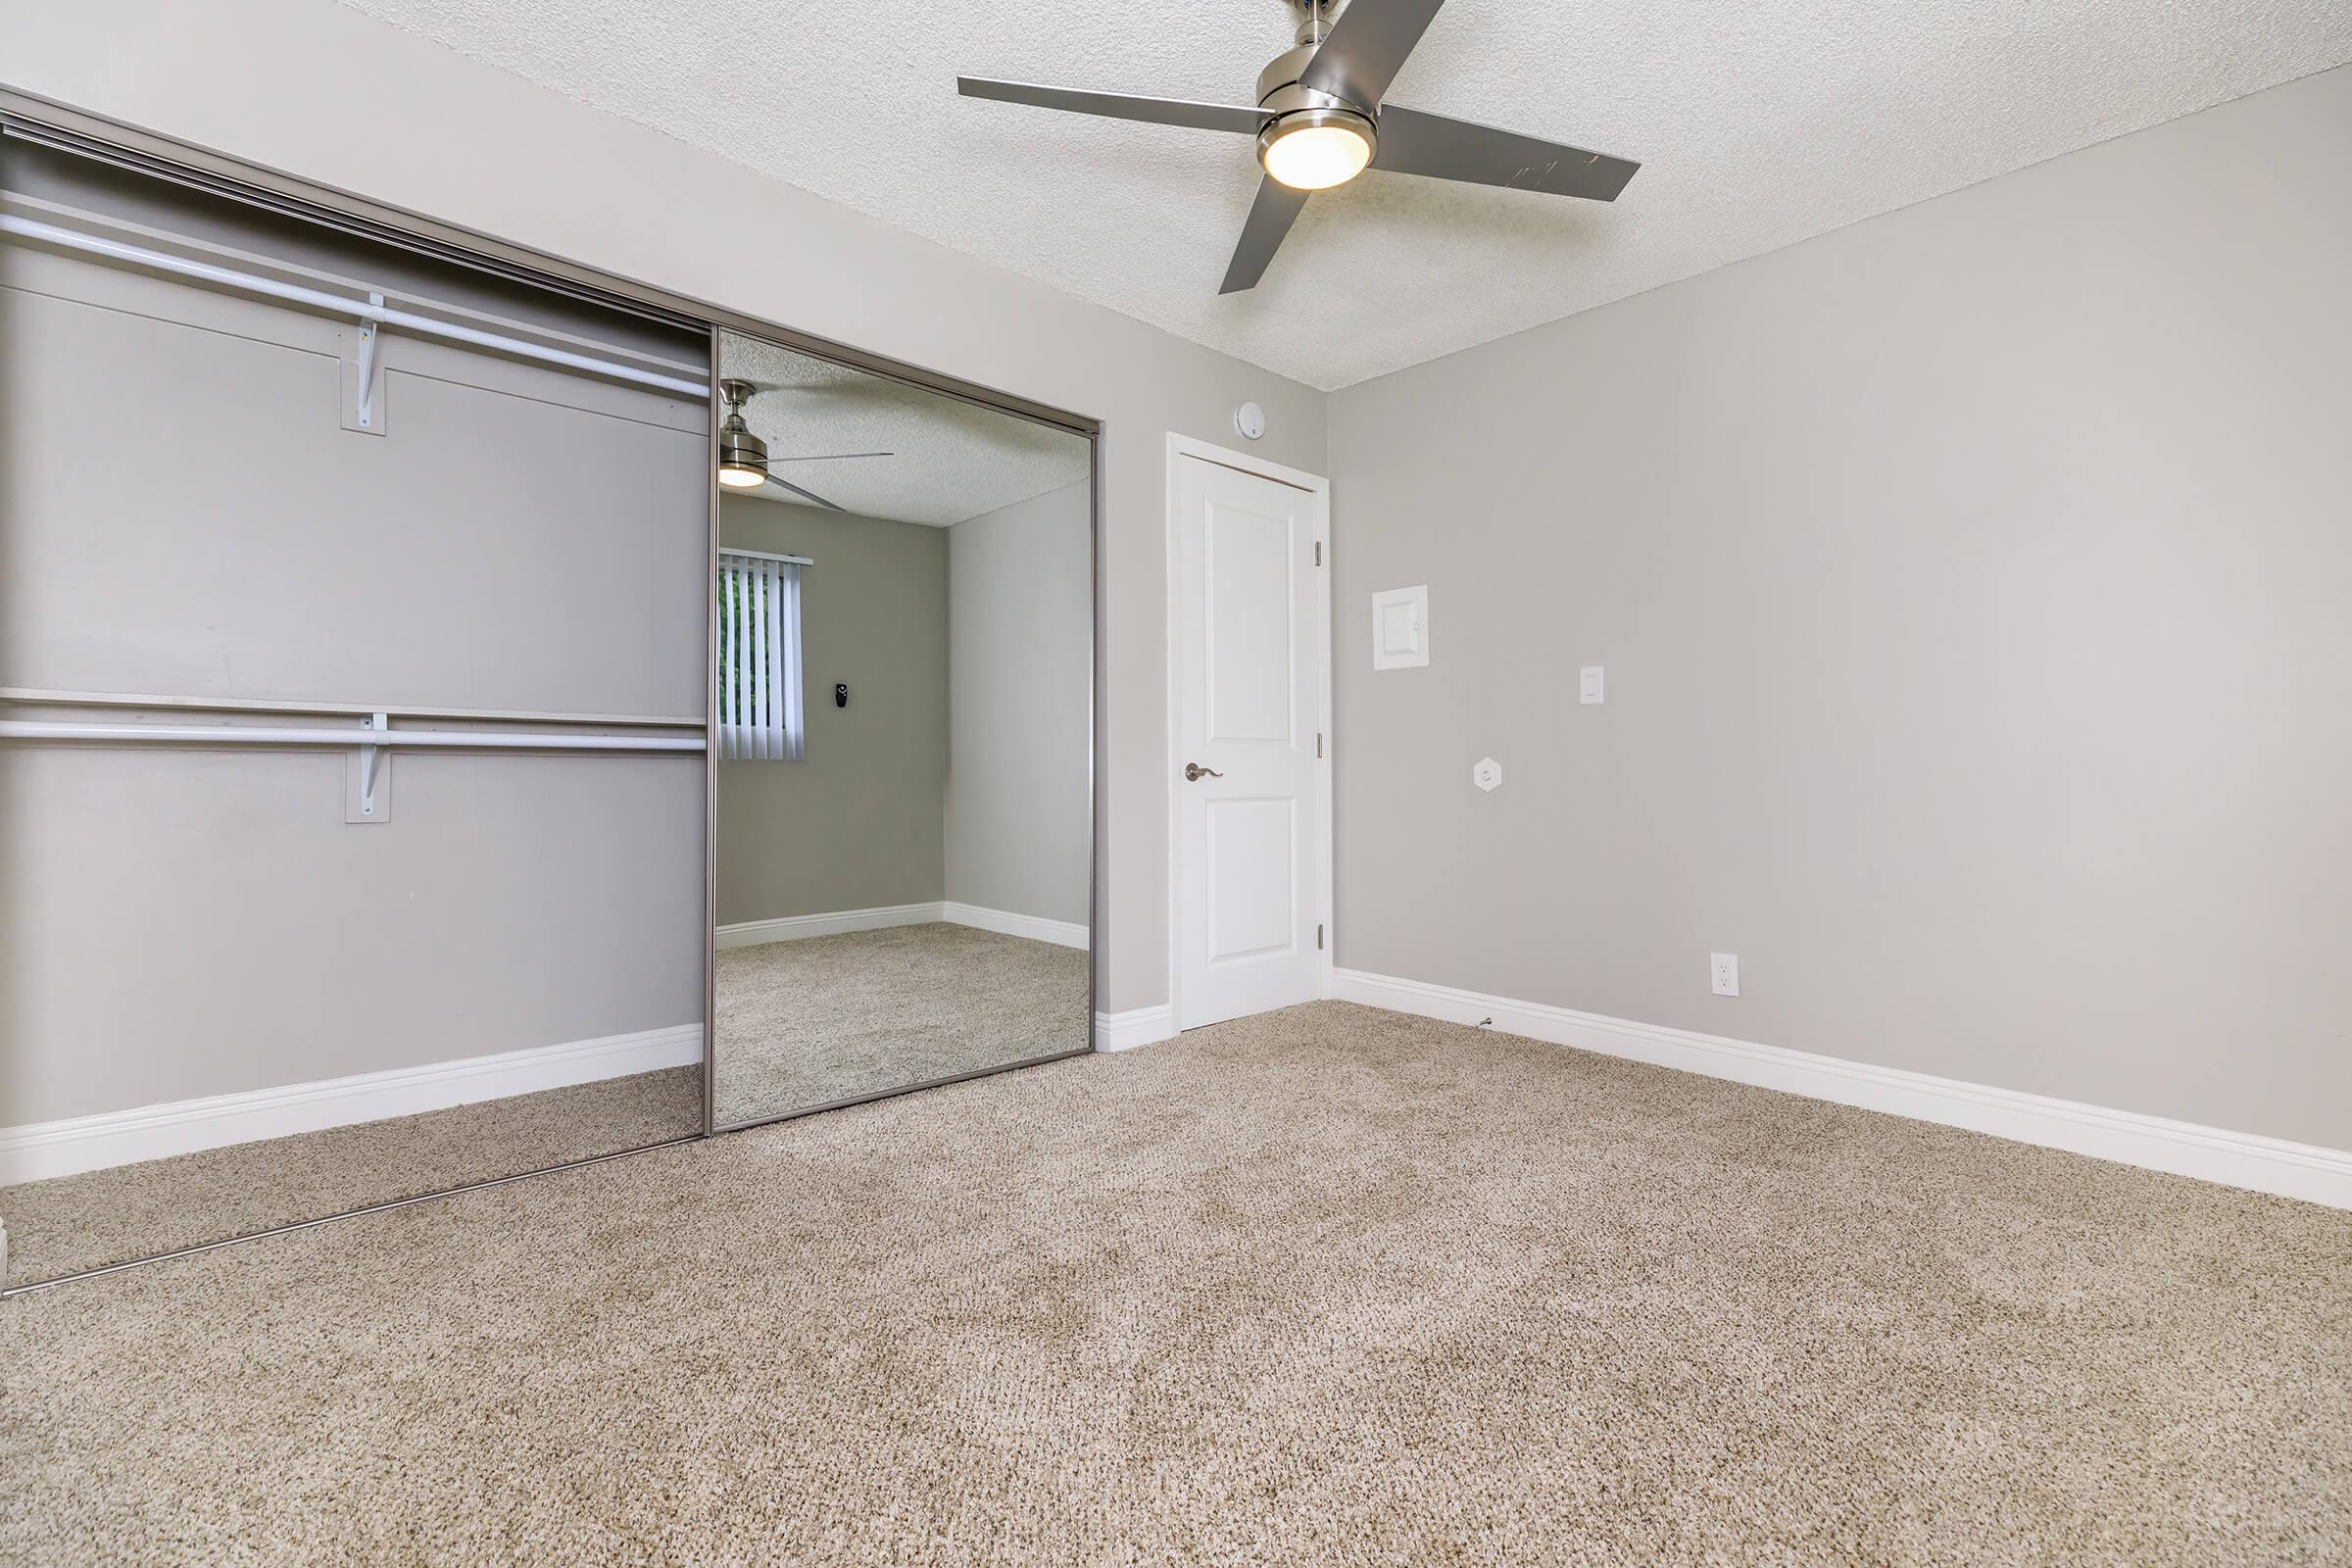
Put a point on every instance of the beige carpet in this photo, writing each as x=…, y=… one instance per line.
x=824, y=1019
x=1331, y=1287
x=802, y=1023
x=71, y=1223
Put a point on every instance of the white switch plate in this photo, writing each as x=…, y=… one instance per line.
x=1590, y=690
x=1486, y=773
x=1401, y=629
x=1723, y=973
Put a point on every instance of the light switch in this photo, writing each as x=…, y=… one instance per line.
x=1401, y=629
x=1588, y=691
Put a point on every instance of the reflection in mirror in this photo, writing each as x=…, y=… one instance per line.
x=905, y=679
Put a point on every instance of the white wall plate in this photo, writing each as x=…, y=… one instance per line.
x=1401, y=629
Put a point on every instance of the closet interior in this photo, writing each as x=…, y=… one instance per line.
x=374, y=670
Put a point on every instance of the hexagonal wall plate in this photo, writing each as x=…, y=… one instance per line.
x=1486, y=773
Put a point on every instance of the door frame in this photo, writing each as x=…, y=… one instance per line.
x=1319, y=487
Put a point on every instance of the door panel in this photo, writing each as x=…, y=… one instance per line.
x=1252, y=897
x=1249, y=683
x=1247, y=620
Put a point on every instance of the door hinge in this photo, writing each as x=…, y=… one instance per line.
x=1318, y=552
x=1319, y=743
x=1318, y=939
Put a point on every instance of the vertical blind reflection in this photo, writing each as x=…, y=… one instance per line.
x=760, y=697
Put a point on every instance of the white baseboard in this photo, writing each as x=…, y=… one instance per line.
x=2234, y=1159
x=69, y=1147
x=1061, y=933
x=1138, y=1026
x=792, y=927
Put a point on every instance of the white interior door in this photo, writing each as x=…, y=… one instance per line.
x=1250, y=609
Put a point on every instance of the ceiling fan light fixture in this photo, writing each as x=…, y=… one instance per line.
x=1316, y=149
x=741, y=456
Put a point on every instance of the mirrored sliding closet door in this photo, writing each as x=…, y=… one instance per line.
x=902, y=680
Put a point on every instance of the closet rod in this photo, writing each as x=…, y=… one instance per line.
x=304, y=708
x=25, y=729
x=340, y=305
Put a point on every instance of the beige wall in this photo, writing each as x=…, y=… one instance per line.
x=185, y=923
x=855, y=823
x=1019, y=632
x=175, y=925
x=1971, y=586
x=277, y=81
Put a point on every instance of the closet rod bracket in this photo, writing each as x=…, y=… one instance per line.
x=370, y=330
x=368, y=765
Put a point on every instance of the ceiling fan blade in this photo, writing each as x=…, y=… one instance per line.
x=1117, y=105
x=793, y=492
x=1414, y=143
x=1270, y=219
x=831, y=457
x=1366, y=47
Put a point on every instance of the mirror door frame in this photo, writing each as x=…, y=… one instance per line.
x=1002, y=402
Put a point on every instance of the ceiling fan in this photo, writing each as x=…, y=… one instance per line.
x=742, y=458
x=1320, y=121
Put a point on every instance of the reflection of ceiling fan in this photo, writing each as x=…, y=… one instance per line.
x=742, y=458
x=1320, y=121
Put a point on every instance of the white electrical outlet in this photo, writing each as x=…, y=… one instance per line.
x=1723, y=973
x=1589, y=688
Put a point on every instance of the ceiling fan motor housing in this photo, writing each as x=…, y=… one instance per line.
x=1293, y=104
x=1279, y=91
x=738, y=448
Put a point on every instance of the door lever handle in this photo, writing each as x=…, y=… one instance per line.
x=1193, y=773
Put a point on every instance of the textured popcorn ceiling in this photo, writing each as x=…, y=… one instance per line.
x=1757, y=124
x=950, y=460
